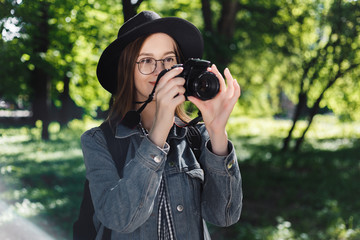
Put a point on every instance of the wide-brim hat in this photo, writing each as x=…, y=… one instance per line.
x=187, y=36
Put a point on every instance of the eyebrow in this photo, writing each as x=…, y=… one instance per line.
x=150, y=54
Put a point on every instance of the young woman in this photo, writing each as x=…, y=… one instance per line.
x=165, y=191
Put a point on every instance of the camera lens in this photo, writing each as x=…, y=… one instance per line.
x=206, y=86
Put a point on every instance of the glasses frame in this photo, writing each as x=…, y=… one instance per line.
x=156, y=61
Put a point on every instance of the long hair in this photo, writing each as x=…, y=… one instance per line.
x=124, y=99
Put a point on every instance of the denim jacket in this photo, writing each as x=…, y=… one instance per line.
x=208, y=188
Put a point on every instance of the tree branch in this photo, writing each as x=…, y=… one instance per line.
x=226, y=23
x=207, y=15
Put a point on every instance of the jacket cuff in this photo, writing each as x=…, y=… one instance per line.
x=151, y=155
x=220, y=164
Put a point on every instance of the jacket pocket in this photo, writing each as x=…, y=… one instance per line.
x=196, y=180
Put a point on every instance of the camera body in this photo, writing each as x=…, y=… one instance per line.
x=199, y=82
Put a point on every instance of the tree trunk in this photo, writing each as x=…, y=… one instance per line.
x=40, y=79
x=219, y=47
x=41, y=102
x=207, y=15
x=302, y=96
x=314, y=110
x=69, y=110
x=226, y=24
x=299, y=107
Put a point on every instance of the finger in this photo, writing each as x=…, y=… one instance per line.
x=230, y=82
x=179, y=90
x=219, y=76
x=179, y=99
x=172, y=83
x=169, y=75
x=169, y=92
x=197, y=102
x=237, y=88
x=171, y=100
x=237, y=92
x=175, y=83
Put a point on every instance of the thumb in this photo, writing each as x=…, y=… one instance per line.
x=198, y=103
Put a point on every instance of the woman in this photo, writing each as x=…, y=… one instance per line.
x=165, y=191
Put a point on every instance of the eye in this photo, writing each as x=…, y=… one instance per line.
x=169, y=59
x=146, y=60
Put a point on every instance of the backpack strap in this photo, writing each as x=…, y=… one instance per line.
x=114, y=151
x=83, y=227
x=112, y=146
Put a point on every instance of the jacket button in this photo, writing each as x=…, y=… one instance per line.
x=180, y=208
x=231, y=164
x=157, y=159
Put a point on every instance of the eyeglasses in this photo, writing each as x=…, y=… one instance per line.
x=148, y=65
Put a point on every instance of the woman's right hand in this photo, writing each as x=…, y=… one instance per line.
x=169, y=94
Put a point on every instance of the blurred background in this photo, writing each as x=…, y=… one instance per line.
x=296, y=126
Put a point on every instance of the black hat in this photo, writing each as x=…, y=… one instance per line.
x=187, y=36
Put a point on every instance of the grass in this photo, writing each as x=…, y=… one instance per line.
x=309, y=195
x=44, y=179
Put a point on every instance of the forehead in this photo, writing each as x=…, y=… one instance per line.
x=157, y=44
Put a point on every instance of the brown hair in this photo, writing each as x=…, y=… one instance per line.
x=124, y=99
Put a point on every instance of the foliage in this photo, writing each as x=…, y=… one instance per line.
x=272, y=43
x=75, y=40
x=286, y=196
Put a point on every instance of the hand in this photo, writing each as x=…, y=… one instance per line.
x=168, y=95
x=216, y=111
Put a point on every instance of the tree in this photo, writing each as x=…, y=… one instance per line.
x=333, y=53
x=224, y=31
x=37, y=75
x=40, y=77
x=47, y=62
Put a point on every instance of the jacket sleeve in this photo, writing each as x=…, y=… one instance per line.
x=221, y=201
x=122, y=204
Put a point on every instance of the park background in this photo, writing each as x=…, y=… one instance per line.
x=296, y=126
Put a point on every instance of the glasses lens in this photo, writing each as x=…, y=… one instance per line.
x=147, y=65
x=169, y=62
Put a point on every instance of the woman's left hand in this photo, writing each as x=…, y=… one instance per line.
x=216, y=111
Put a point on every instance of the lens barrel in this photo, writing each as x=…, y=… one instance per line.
x=205, y=86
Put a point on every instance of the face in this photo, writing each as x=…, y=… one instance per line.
x=157, y=46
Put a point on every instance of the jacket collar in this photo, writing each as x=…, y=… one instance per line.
x=125, y=132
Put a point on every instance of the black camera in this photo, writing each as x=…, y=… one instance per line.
x=199, y=82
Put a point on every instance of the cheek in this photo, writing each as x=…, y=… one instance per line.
x=141, y=83
x=139, y=80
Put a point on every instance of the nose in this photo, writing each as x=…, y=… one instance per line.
x=159, y=67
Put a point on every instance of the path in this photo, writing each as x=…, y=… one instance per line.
x=15, y=227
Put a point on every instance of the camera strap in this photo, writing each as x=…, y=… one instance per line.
x=133, y=118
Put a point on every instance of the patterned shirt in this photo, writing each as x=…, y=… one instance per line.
x=165, y=221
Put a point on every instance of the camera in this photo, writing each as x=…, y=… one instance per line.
x=199, y=82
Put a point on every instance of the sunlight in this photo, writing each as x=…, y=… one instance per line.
x=11, y=30
x=13, y=226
